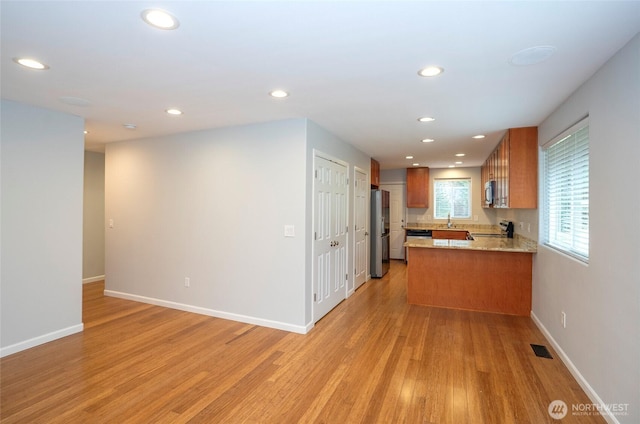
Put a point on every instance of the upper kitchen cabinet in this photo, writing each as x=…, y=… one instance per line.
x=513, y=166
x=418, y=187
x=375, y=173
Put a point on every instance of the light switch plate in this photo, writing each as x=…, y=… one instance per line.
x=289, y=231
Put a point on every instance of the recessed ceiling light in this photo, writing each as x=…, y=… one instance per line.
x=426, y=119
x=458, y=162
x=130, y=126
x=408, y=157
x=430, y=71
x=160, y=19
x=416, y=164
x=30, y=63
x=174, y=111
x=279, y=94
x=452, y=166
x=428, y=140
x=478, y=137
x=459, y=154
x=532, y=55
x=86, y=132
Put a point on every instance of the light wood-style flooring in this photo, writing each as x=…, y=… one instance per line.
x=373, y=359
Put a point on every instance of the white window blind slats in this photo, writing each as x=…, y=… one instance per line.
x=452, y=197
x=566, y=193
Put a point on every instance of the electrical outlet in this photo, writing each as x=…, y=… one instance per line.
x=563, y=319
x=521, y=225
x=187, y=282
x=529, y=227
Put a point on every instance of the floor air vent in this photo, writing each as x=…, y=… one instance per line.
x=541, y=351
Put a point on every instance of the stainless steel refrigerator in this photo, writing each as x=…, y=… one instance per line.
x=379, y=233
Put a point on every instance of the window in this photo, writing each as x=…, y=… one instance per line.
x=452, y=196
x=566, y=192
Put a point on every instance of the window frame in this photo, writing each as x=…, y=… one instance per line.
x=469, y=200
x=570, y=236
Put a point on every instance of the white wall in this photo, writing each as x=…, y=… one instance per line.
x=211, y=206
x=602, y=299
x=41, y=226
x=93, y=217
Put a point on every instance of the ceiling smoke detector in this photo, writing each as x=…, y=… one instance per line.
x=532, y=55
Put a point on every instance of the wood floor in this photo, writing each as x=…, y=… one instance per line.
x=373, y=359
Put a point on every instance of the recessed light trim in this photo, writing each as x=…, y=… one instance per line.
x=478, y=137
x=428, y=140
x=173, y=111
x=130, y=126
x=31, y=63
x=279, y=94
x=160, y=19
x=408, y=157
x=74, y=101
x=426, y=119
x=430, y=71
x=459, y=155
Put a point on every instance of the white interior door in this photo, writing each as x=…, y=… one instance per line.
x=396, y=217
x=361, y=187
x=330, y=236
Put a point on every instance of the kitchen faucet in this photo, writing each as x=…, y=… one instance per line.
x=449, y=225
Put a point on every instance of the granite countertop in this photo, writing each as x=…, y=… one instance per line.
x=499, y=244
x=472, y=228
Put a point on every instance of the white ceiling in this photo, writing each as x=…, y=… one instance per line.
x=350, y=66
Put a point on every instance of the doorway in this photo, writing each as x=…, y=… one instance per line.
x=397, y=206
x=330, y=191
x=361, y=256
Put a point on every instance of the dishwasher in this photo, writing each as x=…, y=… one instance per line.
x=413, y=235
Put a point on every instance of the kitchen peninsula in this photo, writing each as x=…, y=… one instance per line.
x=489, y=274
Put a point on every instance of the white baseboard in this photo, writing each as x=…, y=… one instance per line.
x=93, y=279
x=36, y=341
x=212, y=313
x=575, y=372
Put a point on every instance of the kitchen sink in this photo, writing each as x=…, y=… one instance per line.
x=474, y=235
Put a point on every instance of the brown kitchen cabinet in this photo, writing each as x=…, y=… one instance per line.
x=418, y=187
x=375, y=173
x=513, y=165
x=449, y=234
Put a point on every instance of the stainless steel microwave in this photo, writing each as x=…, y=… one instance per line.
x=489, y=191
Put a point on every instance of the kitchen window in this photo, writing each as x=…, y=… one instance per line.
x=565, y=174
x=452, y=197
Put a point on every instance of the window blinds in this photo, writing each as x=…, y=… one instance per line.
x=452, y=196
x=566, y=192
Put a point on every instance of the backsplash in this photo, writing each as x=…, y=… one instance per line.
x=525, y=221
